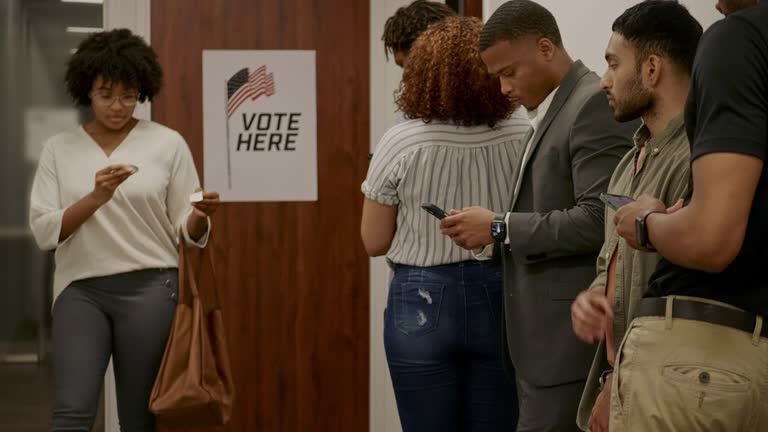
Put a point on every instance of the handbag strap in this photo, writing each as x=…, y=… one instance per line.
x=186, y=279
x=209, y=254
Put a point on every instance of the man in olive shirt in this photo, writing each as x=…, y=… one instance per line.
x=696, y=355
x=649, y=57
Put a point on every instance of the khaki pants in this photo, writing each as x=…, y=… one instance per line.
x=677, y=375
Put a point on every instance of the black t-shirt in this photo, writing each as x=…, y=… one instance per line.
x=727, y=111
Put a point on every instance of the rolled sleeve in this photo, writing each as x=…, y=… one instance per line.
x=45, y=212
x=203, y=242
x=383, y=194
x=600, y=282
x=385, y=171
x=184, y=181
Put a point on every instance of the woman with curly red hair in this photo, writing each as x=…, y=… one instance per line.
x=461, y=147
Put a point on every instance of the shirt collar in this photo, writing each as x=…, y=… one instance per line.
x=537, y=114
x=643, y=134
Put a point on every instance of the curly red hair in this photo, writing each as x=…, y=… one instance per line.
x=445, y=79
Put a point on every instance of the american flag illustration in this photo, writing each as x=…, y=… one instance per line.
x=244, y=85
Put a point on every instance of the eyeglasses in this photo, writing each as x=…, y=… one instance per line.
x=106, y=101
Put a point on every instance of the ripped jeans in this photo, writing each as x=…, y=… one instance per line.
x=442, y=339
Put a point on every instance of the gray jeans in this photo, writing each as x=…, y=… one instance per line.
x=127, y=316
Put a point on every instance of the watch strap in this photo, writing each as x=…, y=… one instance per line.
x=645, y=239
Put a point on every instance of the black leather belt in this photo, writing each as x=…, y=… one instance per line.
x=698, y=311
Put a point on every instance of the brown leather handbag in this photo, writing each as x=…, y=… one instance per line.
x=194, y=387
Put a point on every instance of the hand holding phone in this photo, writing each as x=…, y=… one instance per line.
x=434, y=210
x=615, y=201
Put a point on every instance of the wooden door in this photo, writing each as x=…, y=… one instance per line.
x=295, y=275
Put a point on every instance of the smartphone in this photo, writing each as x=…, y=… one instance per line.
x=615, y=201
x=434, y=210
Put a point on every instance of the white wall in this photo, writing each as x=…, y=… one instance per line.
x=385, y=77
x=586, y=24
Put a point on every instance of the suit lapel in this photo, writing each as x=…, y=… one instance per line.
x=578, y=70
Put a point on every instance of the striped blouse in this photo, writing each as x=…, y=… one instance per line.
x=449, y=166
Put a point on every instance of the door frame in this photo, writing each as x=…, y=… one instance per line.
x=384, y=79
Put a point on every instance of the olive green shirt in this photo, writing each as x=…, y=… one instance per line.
x=664, y=174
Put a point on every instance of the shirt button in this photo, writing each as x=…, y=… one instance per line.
x=607, y=255
x=656, y=151
x=168, y=283
x=704, y=377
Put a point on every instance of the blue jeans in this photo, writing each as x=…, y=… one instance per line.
x=442, y=338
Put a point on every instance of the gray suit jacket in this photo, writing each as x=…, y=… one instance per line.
x=556, y=229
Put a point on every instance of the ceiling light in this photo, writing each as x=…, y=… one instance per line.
x=84, y=29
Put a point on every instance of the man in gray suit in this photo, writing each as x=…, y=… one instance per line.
x=550, y=238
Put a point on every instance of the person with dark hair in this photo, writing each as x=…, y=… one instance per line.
x=443, y=317
x=112, y=197
x=403, y=28
x=550, y=234
x=649, y=56
x=695, y=356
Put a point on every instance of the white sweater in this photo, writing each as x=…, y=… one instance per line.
x=137, y=229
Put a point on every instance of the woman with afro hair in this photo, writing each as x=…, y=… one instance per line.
x=461, y=146
x=111, y=197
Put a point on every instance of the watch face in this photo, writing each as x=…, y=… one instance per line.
x=498, y=230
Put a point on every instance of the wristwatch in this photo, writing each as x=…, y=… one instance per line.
x=641, y=228
x=603, y=378
x=499, y=230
